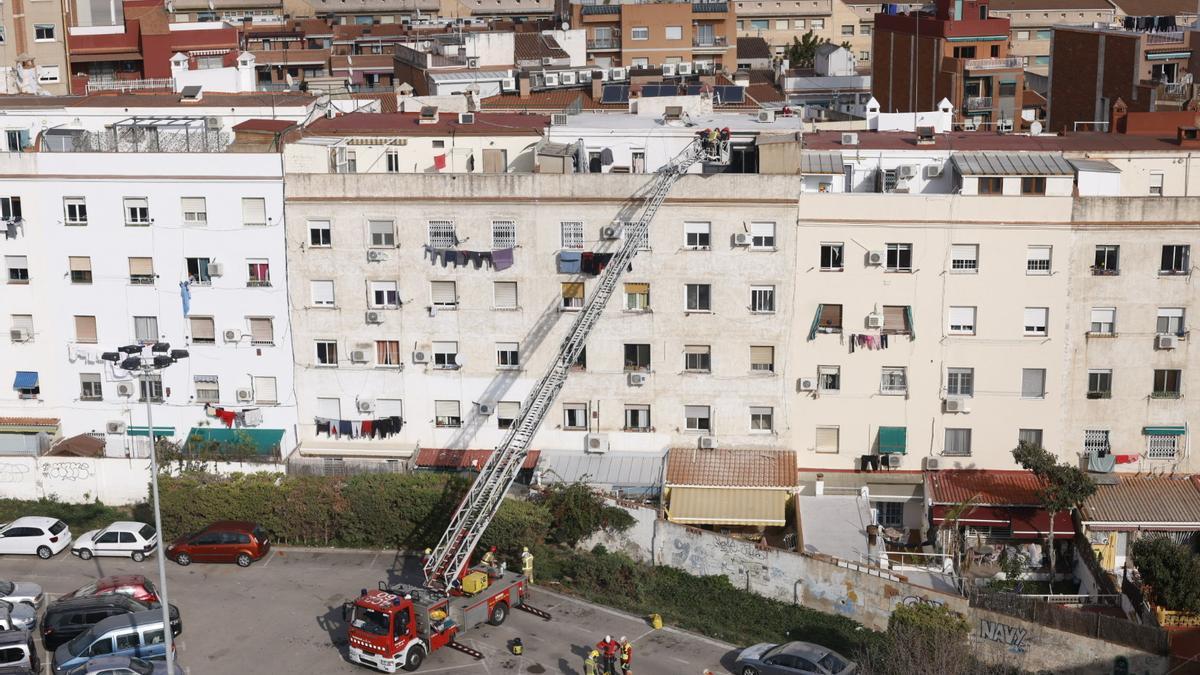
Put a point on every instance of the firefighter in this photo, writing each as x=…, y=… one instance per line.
x=489, y=562
x=608, y=655
x=527, y=563
x=589, y=664
x=626, y=656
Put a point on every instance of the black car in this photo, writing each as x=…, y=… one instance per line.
x=67, y=618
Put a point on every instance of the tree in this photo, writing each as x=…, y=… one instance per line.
x=924, y=638
x=802, y=53
x=1171, y=571
x=577, y=512
x=1064, y=487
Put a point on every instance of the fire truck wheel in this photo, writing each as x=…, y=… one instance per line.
x=415, y=658
x=749, y=671
x=499, y=614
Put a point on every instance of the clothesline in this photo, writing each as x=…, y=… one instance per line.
x=868, y=341
x=382, y=427
x=246, y=417
x=499, y=259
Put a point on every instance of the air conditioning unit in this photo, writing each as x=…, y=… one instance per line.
x=874, y=321
x=849, y=139
x=484, y=409
x=906, y=171
x=595, y=443
x=358, y=356
x=637, y=379
x=551, y=79
x=933, y=464
x=933, y=170
x=742, y=239
x=115, y=427
x=421, y=354
x=568, y=78
x=466, y=118
x=125, y=389
x=547, y=61
x=558, y=119
x=684, y=68
x=610, y=232
x=1004, y=126
x=232, y=335
x=617, y=74
x=245, y=394
x=876, y=257
x=601, y=74
x=807, y=384
x=890, y=461
x=708, y=442
x=508, y=84
x=376, y=256
x=472, y=61
x=366, y=406
x=766, y=115
x=374, y=317
x=216, y=269
x=668, y=70
x=956, y=405
x=19, y=334
x=1166, y=341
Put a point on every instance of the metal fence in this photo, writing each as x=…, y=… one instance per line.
x=1090, y=624
x=330, y=466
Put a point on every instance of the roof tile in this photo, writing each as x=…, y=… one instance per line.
x=1146, y=499
x=994, y=488
x=731, y=467
x=29, y=421
x=457, y=458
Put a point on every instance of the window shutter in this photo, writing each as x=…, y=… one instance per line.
x=508, y=409
x=1033, y=382
x=80, y=264
x=141, y=266
x=254, y=211
x=762, y=354
x=506, y=294
x=637, y=288
x=264, y=389
x=962, y=252
x=389, y=407
x=699, y=349
x=444, y=293
x=572, y=290
x=330, y=408
x=831, y=316
x=893, y=317
x=193, y=204
x=23, y=321
x=827, y=439
x=203, y=329
x=700, y=411
x=962, y=316
x=445, y=408
x=85, y=329
x=1035, y=316
x=260, y=330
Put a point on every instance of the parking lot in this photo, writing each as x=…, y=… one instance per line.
x=284, y=615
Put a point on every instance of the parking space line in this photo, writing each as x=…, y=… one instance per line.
x=269, y=558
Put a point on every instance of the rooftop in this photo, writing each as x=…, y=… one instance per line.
x=537, y=46
x=753, y=48
x=48, y=422
x=737, y=122
x=408, y=124
x=271, y=126
x=1155, y=7
x=457, y=458
x=984, y=140
x=157, y=100
x=1035, y=5
x=988, y=488
x=731, y=467
x=1146, y=500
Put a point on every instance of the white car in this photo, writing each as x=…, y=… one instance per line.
x=34, y=535
x=22, y=592
x=124, y=538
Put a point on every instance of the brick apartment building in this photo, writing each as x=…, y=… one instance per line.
x=655, y=33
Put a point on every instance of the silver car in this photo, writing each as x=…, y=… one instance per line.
x=22, y=591
x=792, y=658
x=19, y=616
x=118, y=664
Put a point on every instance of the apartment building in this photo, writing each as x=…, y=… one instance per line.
x=1032, y=21
x=109, y=245
x=643, y=35
x=33, y=48
x=779, y=23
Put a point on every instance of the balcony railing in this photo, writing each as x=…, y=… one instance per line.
x=979, y=103
x=995, y=64
x=1173, y=92
x=604, y=43
x=710, y=41
x=166, y=83
x=1166, y=37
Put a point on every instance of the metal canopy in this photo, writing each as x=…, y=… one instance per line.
x=1012, y=164
x=813, y=162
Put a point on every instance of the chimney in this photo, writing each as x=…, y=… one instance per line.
x=597, y=89
x=523, y=86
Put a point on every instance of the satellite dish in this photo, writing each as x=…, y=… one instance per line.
x=566, y=26
x=1036, y=128
x=426, y=45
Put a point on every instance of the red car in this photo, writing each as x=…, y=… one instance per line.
x=135, y=586
x=227, y=541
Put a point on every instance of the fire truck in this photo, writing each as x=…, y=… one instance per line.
x=396, y=627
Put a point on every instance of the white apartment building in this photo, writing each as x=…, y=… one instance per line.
x=97, y=260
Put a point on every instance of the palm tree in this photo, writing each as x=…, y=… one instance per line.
x=802, y=53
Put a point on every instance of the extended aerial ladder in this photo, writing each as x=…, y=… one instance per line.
x=483, y=500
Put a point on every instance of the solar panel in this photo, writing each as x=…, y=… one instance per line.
x=654, y=90
x=694, y=89
x=730, y=94
x=615, y=93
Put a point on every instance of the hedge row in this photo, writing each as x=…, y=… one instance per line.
x=79, y=517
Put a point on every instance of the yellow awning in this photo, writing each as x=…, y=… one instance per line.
x=727, y=506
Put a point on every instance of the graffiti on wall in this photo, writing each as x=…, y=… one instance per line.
x=11, y=472
x=67, y=471
x=1010, y=636
x=913, y=600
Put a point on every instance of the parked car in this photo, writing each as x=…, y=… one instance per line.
x=123, y=538
x=224, y=541
x=65, y=619
x=139, y=634
x=18, y=616
x=22, y=592
x=34, y=535
x=136, y=586
x=17, y=651
x=792, y=658
x=123, y=665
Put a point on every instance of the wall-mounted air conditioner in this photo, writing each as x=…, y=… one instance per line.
x=1166, y=341
x=376, y=256
x=115, y=427
x=708, y=443
x=956, y=405
x=874, y=321
x=637, y=379
x=849, y=139
x=125, y=389
x=876, y=257
x=742, y=239
x=245, y=394
x=358, y=356
x=595, y=443
x=374, y=317
x=366, y=406
x=216, y=269
x=807, y=384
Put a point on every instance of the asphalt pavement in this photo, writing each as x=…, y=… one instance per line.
x=283, y=615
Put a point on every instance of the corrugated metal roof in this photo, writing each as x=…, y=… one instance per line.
x=1095, y=165
x=996, y=488
x=726, y=506
x=457, y=458
x=1144, y=499
x=1012, y=164
x=821, y=162
x=600, y=9
x=731, y=467
x=638, y=469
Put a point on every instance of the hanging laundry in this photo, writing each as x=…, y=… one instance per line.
x=1126, y=459
x=344, y=427
x=569, y=262
x=502, y=259
x=252, y=417
x=439, y=162
x=322, y=427
x=226, y=416
x=185, y=293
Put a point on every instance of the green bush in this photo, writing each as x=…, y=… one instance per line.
x=79, y=517
x=578, y=512
x=1171, y=571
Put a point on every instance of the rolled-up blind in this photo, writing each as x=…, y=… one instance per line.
x=831, y=316
x=203, y=329
x=444, y=293
x=827, y=439
x=264, y=389
x=80, y=264
x=85, y=329
x=445, y=408
x=572, y=290
x=141, y=266
x=893, y=318
x=637, y=288
x=261, y=331
x=762, y=354
x=695, y=349
x=508, y=409
x=506, y=294
x=254, y=211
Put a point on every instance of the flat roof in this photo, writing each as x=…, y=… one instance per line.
x=744, y=122
x=408, y=124
x=158, y=100
x=986, y=140
x=1012, y=164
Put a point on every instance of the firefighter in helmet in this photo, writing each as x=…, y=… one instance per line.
x=527, y=563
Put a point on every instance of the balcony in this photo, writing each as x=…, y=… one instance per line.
x=979, y=103
x=599, y=44
x=1165, y=38
x=1005, y=63
x=710, y=41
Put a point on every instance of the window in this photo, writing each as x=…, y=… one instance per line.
x=639, y=33
x=445, y=355
x=572, y=295
x=1095, y=441
x=760, y=24
x=829, y=379
x=637, y=418
x=575, y=416
x=637, y=297
x=762, y=299
x=1166, y=383
x=962, y=320
x=18, y=269
x=897, y=319
x=1156, y=184
x=393, y=161
x=637, y=358
x=81, y=269
x=446, y=414
x=197, y=271
x=1030, y=437
x=151, y=389
x=1164, y=446
x=697, y=418
x=697, y=358
x=204, y=330
x=504, y=294
x=444, y=294
x=818, y=24
x=1037, y=260
x=827, y=439
x=137, y=211
x=75, y=209
x=43, y=32
x=90, y=388
x=899, y=257
x=1099, y=383
x=958, y=443
x=762, y=236
x=208, y=389
x=674, y=33
x=385, y=296
x=831, y=257
x=327, y=353
x=697, y=236
x=964, y=258
x=889, y=514
x=698, y=298
x=1175, y=259
x=1030, y=185
x=1022, y=35
x=141, y=271
x=798, y=24
x=864, y=29
x=1104, y=320
x=258, y=272
x=960, y=382
x=262, y=331
x=829, y=319
x=1170, y=321
x=383, y=233
x=1108, y=259
x=145, y=329
x=319, y=233
x=847, y=29
x=762, y=418
x=387, y=352
x=507, y=413
x=441, y=234
x=254, y=212
x=964, y=52
x=893, y=380
x=194, y=211
x=762, y=359
x=572, y=234
x=85, y=329
x=1035, y=320
x=991, y=185
x=508, y=355
x=1033, y=383
x=322, y=293
x=504, y=234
